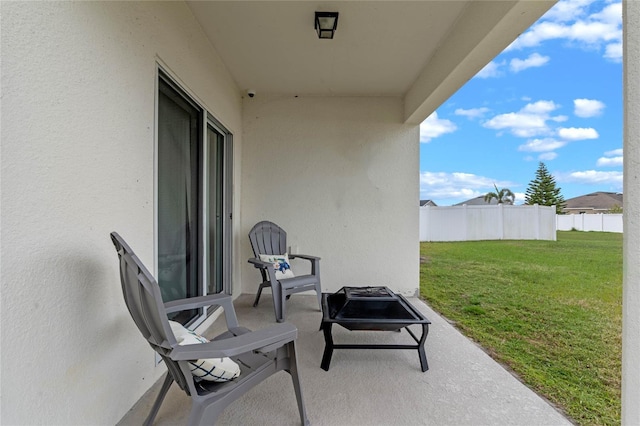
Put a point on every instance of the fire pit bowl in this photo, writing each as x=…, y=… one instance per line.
x=369, y=308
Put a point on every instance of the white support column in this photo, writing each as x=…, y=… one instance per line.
x=631, y=245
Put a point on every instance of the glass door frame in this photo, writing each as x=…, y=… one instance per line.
x=207, y=121
x=227, y=201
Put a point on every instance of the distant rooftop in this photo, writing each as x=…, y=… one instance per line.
x=596, y=201
x=478, y=201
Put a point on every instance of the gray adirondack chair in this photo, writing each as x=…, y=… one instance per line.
x=268, y=238
x=259, y=353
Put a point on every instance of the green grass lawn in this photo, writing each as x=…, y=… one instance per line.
x=549, y=310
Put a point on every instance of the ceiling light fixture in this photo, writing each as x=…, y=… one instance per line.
x=326, y=24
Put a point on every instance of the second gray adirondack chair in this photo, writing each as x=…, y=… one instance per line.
x=267, y=238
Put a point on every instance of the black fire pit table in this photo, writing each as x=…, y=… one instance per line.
x=370, y=308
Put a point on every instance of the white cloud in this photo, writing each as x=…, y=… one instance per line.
x=492, y=69
x=593, y=32
x=530, y=121
x=615, y=152
x=455, y=178
x=534, y=60
x=587, y=107
x=472, y=112
x=593, y=177
x=609, y=162
x=434, y=127
x=540, y=107
x=588, y=33
x=611, y=14
x=522, y=125
x=456, y=186
x=613, y=52
x=567, y=10
x=519, y=197
x=547, y=156
x=612, y=158
x=542, y=145
x=568, y=21
x=577, y=133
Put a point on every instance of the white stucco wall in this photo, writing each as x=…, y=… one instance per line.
x=631, y=284
x=78, y=93
x=339, y=175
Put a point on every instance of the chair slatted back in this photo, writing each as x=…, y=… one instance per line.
x=268, y=238
x=144, y=302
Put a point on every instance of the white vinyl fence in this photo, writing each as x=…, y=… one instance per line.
x=590, y=222
x=491, y=222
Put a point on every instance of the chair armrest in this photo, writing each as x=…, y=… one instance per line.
x=259, y=263
x=270, y=337
x=315, y=262
x=271, y=272
x=197, y=302
x=223, y=300
x=303, y=256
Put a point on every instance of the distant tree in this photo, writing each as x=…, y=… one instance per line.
x=542, y=190
x=616, y=209
x=502, y=196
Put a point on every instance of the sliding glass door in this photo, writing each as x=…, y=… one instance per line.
x=193, y=199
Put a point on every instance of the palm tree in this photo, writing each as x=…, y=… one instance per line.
x=502, y=196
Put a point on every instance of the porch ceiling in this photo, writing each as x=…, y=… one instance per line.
x=422, y=51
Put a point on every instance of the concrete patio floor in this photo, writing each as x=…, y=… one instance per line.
x=463, y=385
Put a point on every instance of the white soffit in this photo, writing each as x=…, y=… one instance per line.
x=422, y=51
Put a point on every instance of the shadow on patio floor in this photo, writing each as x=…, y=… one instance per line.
x=463, y=385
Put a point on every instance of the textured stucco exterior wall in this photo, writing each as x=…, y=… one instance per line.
x=339, y=175
x=631, y=286
x=78, y=96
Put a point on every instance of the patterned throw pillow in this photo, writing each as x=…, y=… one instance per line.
x=280, y=264
x=210, y=369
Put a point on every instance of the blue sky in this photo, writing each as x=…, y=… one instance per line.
x=554, y=95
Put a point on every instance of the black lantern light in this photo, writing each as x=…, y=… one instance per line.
x=326, y=24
